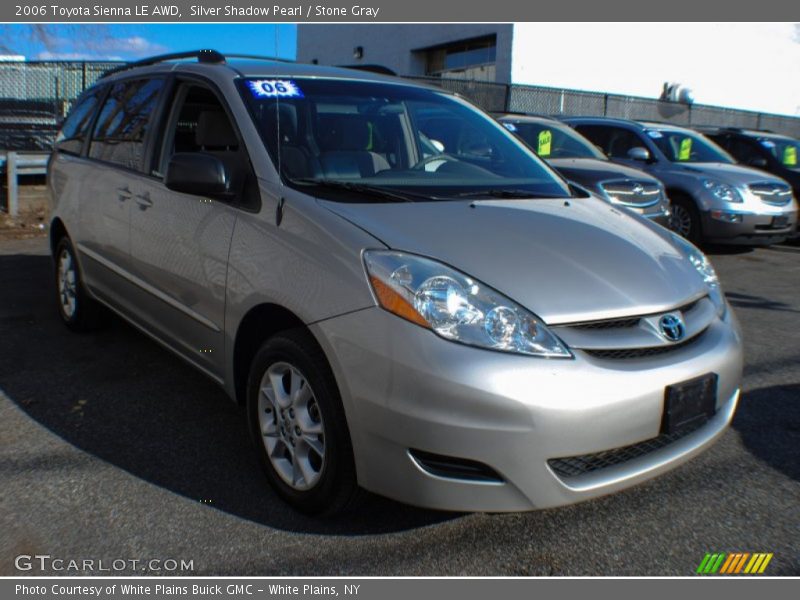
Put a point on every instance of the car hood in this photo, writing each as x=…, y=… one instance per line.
x=567, y=261
x=590, y=171
x=738, y=175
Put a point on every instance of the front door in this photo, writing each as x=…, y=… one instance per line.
x=180, y=242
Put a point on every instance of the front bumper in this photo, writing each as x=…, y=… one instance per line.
x=751, y=228
x=404, y=388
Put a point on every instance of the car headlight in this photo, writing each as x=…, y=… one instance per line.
x=706, y=270
x=722, y=191
x=456, y=306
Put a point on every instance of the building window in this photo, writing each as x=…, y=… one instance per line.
x=466, y=59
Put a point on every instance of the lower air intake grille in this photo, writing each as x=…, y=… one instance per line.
x=627, y=353
x=580, y=465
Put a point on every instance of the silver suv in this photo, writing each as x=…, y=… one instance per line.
x=713, y=198
x=404, y=297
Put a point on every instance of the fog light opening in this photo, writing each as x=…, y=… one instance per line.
x=728, y=217
x=450, y=467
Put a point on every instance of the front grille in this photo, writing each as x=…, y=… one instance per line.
x=777, y=194
x=633, y=193
x=608, y=324
x=574, y=466
x=627, y=353
x=624, y=322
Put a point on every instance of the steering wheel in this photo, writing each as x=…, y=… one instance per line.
x=444, y=157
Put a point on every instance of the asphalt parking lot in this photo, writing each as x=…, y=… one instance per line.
x=114, y=449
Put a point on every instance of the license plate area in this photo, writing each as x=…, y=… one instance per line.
x=689, y=403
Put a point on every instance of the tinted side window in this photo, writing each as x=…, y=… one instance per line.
x=122, y=125
x=199, y=123
x=621, y=141
x=599, y=135
x=742, y=151
x=75, y=129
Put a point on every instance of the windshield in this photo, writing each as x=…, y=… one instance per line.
x=784, y=150
x=349, y=139
x=553, y=140
x=686, y=147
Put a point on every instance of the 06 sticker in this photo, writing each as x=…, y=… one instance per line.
x=275, y=88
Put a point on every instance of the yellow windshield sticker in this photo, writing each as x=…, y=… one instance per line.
x=685, y=151
x=545, y=142
x=790, y=156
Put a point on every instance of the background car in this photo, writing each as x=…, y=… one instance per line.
x=581, y=162
x=771, y=152
x=713, y=198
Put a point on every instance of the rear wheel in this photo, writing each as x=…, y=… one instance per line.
x=297, y=422
x=685, y=219
x=77, y=309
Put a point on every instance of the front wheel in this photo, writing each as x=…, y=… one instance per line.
x=297, y=422
x=685, y=219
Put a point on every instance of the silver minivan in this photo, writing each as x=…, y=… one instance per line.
x=404, y=297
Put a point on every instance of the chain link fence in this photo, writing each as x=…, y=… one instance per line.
x=35, y=97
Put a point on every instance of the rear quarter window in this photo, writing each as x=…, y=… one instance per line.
x=76, y=127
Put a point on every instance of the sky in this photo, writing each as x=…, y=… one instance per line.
x=754, y=66
x=128, y=42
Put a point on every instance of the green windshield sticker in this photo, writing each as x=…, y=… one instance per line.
x=545, y=142
x=685, y=151
x=790, y=156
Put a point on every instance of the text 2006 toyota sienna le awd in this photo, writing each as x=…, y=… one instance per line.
x=404, y=297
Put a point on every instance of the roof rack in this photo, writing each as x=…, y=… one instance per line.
x=260, y=57
x=211, y=57
x=202, y=56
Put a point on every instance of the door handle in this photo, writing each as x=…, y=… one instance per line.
x=143, y=200
x=123, y=194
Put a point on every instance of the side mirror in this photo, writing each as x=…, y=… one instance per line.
x=639, y=153
x=759, y=162
x=198, y=174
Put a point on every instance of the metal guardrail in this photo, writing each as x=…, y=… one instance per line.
x=17, y=164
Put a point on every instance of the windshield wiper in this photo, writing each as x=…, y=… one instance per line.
x=502, y=193
x=362, y=188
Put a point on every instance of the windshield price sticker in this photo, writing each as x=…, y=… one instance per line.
x=510, y=126
x=545, y=142
x=275, y=88
x=790, y=156
x=685, y=151
x=654, y=134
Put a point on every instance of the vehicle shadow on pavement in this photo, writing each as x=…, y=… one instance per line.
x=768, y=421
x=120, y=397
x=740, y=300
x=725, y=249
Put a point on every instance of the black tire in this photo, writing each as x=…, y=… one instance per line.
x=336, y=490
x=87, y=314
x=684, y=210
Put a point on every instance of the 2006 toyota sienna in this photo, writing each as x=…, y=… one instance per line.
x=404, y=297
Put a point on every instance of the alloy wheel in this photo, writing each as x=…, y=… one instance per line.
x=291, y=426
x=67, y=283
x=681, y=222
